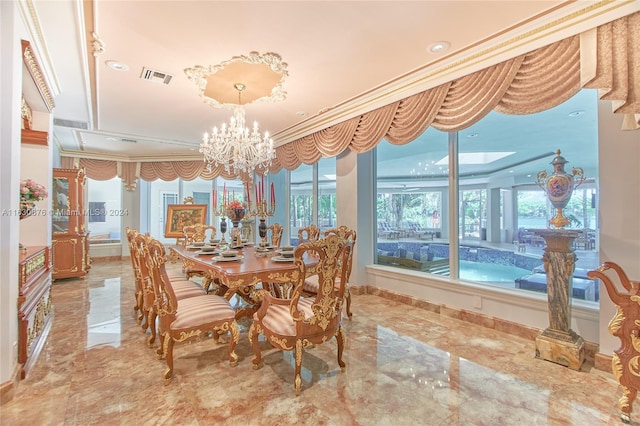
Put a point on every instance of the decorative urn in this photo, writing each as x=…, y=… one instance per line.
x=559, y=186
x=235, y=213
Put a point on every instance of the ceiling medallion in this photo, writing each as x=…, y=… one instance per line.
x=263, y=74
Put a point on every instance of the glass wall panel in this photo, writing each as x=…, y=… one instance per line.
x=301, y=203
x=105, y=210
x=327, y=193
x=499, y=159
x=411, y=211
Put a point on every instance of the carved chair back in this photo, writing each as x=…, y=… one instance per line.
x=308, y=233
x=139, y=287
x=140, y=247
x=276, y=234
x=349, y=235
x=198, y=233
x=166, y=301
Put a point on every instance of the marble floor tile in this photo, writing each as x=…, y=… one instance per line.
x=405, y=366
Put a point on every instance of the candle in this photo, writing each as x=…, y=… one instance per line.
x=213, y=197
x=248, y=194
x=257, y=198
x=273, y=194
x=262, y=189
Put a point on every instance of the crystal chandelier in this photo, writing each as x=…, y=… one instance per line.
x=236, y=147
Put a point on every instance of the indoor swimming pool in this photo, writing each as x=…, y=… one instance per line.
x=490, y=272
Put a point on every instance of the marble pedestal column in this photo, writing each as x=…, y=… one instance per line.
x=558, y=343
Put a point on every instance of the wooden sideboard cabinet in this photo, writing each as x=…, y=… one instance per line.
x=70, y=240
x=35, y=310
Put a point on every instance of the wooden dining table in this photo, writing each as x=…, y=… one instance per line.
x=242, y=277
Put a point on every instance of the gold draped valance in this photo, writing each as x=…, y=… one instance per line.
x=606, y=58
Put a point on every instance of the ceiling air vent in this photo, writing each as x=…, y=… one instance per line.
x=128, y=140
x=70, y=123
x=155, y=76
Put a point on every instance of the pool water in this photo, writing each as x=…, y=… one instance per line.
x=490, y=272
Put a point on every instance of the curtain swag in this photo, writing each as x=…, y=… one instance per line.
x=604, y=58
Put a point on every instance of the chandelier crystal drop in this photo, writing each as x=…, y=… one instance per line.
x=236, y=147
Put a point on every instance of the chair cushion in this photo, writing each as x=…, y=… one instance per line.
x=184, y=289
x=201, y=310
x=176, y=276
x=278, y=319
x=311, y=284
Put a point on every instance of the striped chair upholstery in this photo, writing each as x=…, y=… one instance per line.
x=311, y=285
x=184, y=319
x=295, y=323
x=182, y=286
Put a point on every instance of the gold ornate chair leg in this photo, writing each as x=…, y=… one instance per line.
x=298, y=355
x=152, y=327
x=138, y=309
x=160, y=350
x=254, y=332
x=348, y=298
x=168, y=355
x=235, y=338
x=341, y=338
x=144, y=322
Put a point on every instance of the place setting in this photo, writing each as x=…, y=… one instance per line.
x=207, y=250
x=264, y=247
x=228, y=256
x=285, y=254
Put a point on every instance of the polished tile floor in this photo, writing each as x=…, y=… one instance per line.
x=405, y=366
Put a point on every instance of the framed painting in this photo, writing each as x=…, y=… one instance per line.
x=181, y=215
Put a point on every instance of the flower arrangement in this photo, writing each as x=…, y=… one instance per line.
x=32, y=191
x=235, y=205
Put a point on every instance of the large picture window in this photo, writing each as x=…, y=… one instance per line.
x=498, y=203
x=104, y=210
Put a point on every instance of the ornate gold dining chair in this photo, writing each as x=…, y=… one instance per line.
x=310, y=287
x=184, y=319
x=183, y=287
x=276, y=234
x=139, y=291
x=295, y=323
x=197, y=234
x=138, y=309
x=308, y=233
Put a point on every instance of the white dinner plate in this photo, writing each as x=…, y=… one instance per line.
x=199, y=252
x=192, y=247
x=227, y=259
x=283, y=259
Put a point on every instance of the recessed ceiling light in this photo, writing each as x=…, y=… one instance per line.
x=301, y=113
x=576, y=113
x=472, y=135
x=111, y=139
x=439, y=47
x=118, y=66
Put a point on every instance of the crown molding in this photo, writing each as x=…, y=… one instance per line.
x=566, y=20
x=35, y=71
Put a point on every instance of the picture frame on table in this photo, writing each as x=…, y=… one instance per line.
x=181, y=215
